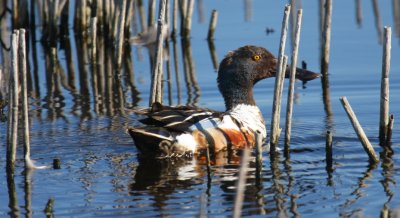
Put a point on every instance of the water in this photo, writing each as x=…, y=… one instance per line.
x=101, y=175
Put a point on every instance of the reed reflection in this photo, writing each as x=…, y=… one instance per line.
x=357, y=193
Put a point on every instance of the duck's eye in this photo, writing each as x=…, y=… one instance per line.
x=256, y=57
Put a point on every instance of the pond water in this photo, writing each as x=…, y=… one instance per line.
x=101, y=175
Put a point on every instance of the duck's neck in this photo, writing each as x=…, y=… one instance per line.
x=237, y=96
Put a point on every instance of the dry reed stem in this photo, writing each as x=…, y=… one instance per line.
x=156, y=82
x=175, y=19
x=325, y=54
x=275, y=130
x=93, y=25
x=187, y=18
x=326, y=37
x=289, y=106
x=13, y=104
x=24, y=90
x=22, y=60
x=389, y=130
x=151, y=13
x=213, y=24
x=259, y=155
x=240, y=186
x=359, y=130
x=384, y=100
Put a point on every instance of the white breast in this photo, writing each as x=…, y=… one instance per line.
x=250, y=117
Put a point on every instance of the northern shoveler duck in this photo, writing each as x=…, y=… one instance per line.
x=183, y=130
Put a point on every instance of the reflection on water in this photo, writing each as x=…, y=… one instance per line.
x=79, y=100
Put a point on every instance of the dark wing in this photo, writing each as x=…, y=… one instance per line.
x=163, y=123
x=177, y=118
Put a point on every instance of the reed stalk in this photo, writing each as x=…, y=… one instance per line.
x=390, y=130
x=384, y=100
x=289, y=106
x=277, y=103
x=325, y=55
x=151, y=13
x=13, y=104
x=175, y=19
x=240, y=185
x=93, y=27
x=56, y=163
x=276, y=108
x=24, y=91
x=128, y=16
x=359, y=130
x=259, y=156
x=213, y=24
x=120, y=38
x=116, y=17
x=156, y=83
x=187, y=19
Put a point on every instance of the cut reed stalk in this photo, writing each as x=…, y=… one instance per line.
x=56, y=163
x=389, y=130
x=24, y=90
x=277, y=104
x=156, y=83
x=240, y=185
x=213, y=24
x=259, y=156
x=289, y=106
x=384, y=100
x=275, y=130
x=325, y=55
x=13, y=104
x=359, y=130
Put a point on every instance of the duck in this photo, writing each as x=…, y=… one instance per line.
x=184, y=131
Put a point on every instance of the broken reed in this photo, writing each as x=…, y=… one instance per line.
x=276, y=107
x=213, y=24
x=389, y=130
x=384, y=100
x=289, y=106
x=360, y=132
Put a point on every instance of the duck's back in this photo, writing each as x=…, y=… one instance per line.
x=177, y=131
